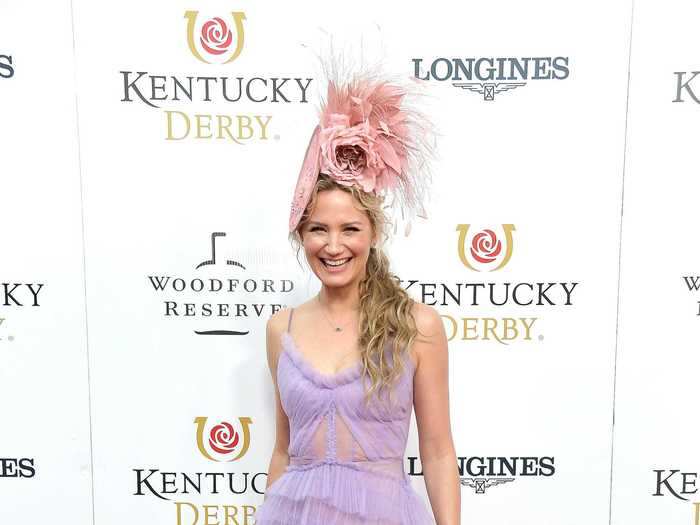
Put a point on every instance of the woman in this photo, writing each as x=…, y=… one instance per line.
x=349, y=364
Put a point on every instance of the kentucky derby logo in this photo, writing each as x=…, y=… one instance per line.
x=223, y=442
x=487, y=250
x=214, y=37
x=673, y=482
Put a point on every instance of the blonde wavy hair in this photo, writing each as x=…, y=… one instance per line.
x=385, y=307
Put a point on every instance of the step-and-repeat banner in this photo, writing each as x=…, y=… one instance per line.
x=656, y=454
x=148, y=153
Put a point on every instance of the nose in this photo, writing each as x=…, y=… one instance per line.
x=334, y=246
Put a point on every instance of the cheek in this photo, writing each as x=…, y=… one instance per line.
x=313, y=245
x=359, y=246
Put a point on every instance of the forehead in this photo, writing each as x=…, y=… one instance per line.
x=337, y=207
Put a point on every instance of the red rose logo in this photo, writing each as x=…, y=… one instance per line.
x=223, y=438
x=485, y=247
x=216, y=36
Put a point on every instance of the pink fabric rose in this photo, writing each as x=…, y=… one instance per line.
x=357, y=154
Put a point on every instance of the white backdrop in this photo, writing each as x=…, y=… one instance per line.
x=656, y=454
x=156, y=222
x=45, y=419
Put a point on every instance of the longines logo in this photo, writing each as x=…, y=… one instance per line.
x=692, y=282
x=217, y=41
x=680, y=485
x=222, y=288
x=222, y=441
x=489, y=76
x=490, y=249
x=7, y=69
x=481, y=473
x=17, y=468
x=685, y=83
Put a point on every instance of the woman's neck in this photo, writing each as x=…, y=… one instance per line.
x=339, y=300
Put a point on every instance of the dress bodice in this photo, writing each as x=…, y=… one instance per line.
x=345, y=457
x=329, y=420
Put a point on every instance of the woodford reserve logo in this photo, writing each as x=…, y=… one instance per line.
x=692, y=282
x=216, y=41
x=489, y=76
x=219, y=288
x=507, y=311
x=193, y=492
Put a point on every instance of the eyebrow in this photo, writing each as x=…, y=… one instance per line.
x=353, y=223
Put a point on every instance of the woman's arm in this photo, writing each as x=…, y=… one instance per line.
x=280, y=455
x=431, y=404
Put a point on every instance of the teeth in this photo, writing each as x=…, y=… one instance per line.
x=335, y=263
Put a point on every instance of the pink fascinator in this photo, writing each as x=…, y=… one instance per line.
x=369, y=135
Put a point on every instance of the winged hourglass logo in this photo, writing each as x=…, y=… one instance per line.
x=481, y=484
x=218, y=44
x=223, y=440
x=486, y=249
x=488, y=89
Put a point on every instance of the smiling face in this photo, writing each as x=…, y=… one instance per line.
x=337, y=237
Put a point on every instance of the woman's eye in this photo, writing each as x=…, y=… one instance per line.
x=318, y=228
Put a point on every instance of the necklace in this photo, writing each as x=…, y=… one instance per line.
x=335, y=327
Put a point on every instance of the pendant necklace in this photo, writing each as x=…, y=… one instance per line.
x=335, y=327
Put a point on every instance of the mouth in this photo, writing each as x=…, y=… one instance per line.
x=335, y=263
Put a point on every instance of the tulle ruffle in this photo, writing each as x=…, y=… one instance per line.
x=331, y=493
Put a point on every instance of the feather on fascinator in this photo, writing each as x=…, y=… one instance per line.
x=371, y=136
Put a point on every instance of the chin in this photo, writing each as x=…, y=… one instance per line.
x=335, y=279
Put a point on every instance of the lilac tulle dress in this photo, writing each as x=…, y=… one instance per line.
x=346, y=459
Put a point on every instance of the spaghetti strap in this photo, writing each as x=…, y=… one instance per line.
x=289, y=323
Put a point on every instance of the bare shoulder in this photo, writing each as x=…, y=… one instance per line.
x=276, y=324
x=431, y=338
x=428, y=320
